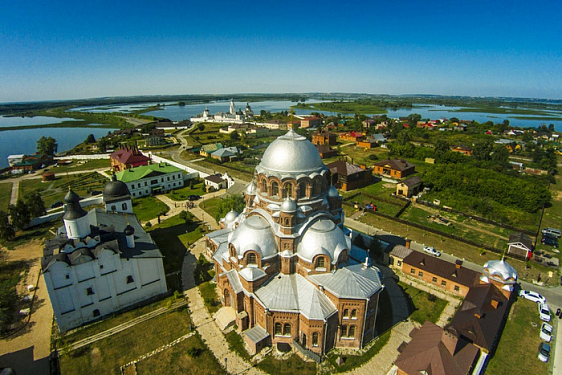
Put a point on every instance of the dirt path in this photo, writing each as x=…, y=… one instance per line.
x=28, y=350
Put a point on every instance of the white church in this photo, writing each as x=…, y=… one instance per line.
x=101, y=261
x=233, y=116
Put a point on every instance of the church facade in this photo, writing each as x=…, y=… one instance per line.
x=100, y=261
x=233, y=116
x=286, y=264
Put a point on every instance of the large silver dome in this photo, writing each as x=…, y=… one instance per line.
x=291, y=154
x=323, y=237
x=254, y=234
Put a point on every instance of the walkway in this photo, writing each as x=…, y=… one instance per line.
x=122, y=327
x=203, y=322
x=178, y=206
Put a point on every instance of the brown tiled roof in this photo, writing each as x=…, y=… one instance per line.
x=344, y=168
x=522, y=238
x=400, y=251
x=396, y=164
x=480, y=316
x=435, y=351
x=217, y=179
x=442, y=268
x=323, y=148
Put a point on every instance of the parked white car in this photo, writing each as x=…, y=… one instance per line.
x=544, y=312
x=553, y=232
x=546, y=332
x=431, y=250
x=532, y=296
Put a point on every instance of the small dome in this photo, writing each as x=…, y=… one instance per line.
x=115, y=189
x=129, y=230
x=292, y=154
x=252, y=273
x=254, y=234
x=288, y=206
x=73, y=209
x=501, y=271
x=231, y=216
x=333, y=192
x=323, y=237
x=251, y=189
x=71, y=197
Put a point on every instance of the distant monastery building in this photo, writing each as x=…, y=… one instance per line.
x=232, y=116
x=286, y=268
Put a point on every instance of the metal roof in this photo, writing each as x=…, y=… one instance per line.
x=354, y=281
x=256, y=334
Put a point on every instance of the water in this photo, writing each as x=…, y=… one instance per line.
x=32, y=121
x=24, y=141
x=117, y=108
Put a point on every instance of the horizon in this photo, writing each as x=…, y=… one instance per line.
x=60, y=51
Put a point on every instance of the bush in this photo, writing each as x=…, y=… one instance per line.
x=431, y=297
x=194, y=352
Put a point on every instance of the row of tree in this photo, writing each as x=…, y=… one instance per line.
x=20, y=214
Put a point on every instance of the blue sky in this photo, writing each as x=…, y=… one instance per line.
x=63, y=50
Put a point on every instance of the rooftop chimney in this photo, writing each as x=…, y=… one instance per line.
x=458, y=264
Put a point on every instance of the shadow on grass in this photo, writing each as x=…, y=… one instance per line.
x=171, y=246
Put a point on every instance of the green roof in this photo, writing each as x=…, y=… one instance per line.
x=137, y=173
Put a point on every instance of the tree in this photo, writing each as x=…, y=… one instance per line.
x=483, y=149
x=413, y=119
x=201, y=127
x=500, y=155
x=47, y=145
x=90, y=139
x=102, y=144
x=19, y=214
x=181, y=104
x=7, y=231
x=35, y=204
x=234, y=136
x=187, y=217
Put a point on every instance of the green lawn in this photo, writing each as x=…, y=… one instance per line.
x=209, y=293
x=287, y=366
x=421, y=307
x=107, y=355
x=518, y=346
x=236, y=344
x=211, y=206
x=176, y=360
x=5, y=195
x=147, y=208
x=182, y=194
x=81, y=165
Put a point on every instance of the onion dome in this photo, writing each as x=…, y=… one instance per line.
x=323, y=237
x=129, y=230
x=289, y=206
x=291, y=154
x=230, y=217
x=333, y=192
x=499, y=270
x=254, y=234
x=73, y=209
x=115, y=190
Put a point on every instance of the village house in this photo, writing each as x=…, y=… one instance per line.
x=367, y=143
x=348, y=176
x=326, y=151
x=28, y=163
x=226, y=154
x=465, y=150
x=324, y=137
x=410, y=186
x=352, y=136
x=127, y=157
x=369, y=123
x=520, y=245
x=207, y=150
x=397, y=168
x=218, y=181
x=311, y=122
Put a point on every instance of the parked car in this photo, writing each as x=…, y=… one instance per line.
x=544, y=312
x=549, y=241
x=544, y=352
x=193, y=197
x=57, y=204
x=546, y=332
x=532, y=296
x=549, y=235
x=553, y=231
x=431, y=250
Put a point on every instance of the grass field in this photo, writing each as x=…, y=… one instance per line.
x=147, y=208
x=107, y=355
x=287, y=366
x=184, y=192
x=5, y=195
x=81, y=165
x=421, y=307
x=518, y=346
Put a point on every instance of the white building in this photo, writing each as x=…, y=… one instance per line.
x=147, y=179
x=100, y=262
x=232, y=116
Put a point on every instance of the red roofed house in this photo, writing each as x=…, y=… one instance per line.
x=127, y=157
x=311, y=122
x=396, y=168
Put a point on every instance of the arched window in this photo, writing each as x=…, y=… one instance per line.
x=288, y=190
x=286, y=329
x=346, y=313
x=351, y=332
x=264, y=186
x=251, y=258
x=315, y=339
x=274, y=189
x=344, y=331
x=353, y=314
x=320, y=262
x=124, y=206
x=343, y=257
x=302, y=190
x=277, y=329
x=315, y=187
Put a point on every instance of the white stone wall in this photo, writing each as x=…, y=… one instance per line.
x=144, y=186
